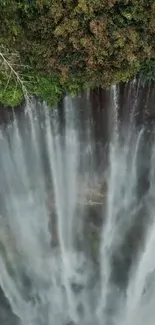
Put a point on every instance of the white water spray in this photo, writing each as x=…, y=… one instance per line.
x=61, y=284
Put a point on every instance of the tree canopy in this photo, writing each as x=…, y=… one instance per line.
x=57, y=46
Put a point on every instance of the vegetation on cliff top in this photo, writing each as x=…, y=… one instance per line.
x=58, y=46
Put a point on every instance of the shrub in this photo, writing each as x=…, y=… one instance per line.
x=73, y=44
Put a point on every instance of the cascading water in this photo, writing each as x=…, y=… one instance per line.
x=50, y=189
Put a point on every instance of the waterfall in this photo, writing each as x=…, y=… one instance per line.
x=77, y=242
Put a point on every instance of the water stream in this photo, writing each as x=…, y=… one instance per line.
x=77, y=212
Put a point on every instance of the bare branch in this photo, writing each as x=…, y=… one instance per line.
x=8, y=81
x=15, y=73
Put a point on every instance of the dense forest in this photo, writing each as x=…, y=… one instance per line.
x=50, y=47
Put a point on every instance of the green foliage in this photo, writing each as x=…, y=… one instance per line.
x=11, y=96
x=70, y=45
x=147, y=71
x=10, y=91
x=48, y=88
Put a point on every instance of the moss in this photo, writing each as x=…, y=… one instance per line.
x=70, y=45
